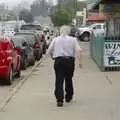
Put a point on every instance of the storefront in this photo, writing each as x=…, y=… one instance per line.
x=105, y=50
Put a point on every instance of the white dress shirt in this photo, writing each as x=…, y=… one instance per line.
x=64, y=46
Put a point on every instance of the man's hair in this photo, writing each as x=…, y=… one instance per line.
x=65, y=30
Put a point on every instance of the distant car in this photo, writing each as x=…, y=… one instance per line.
x=35, y=27
x=38, y=29
x=84, y=33
x=35, y=40
x=9, y=61
x=25, y=50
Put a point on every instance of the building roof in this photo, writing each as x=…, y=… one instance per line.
x=97, y=17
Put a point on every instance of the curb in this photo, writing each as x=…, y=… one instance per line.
x=18, y=87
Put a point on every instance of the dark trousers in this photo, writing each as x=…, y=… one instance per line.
x=64, y=70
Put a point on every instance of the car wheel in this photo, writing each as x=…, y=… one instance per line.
x=18, y=74
x=41, y=55
x=10, y=77
x=32, y=63
x=85, y=37
x=24, y=67
x=38, y=57
x=44, y=49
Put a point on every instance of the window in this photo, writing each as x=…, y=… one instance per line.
x=31, y=27
x=98, y=26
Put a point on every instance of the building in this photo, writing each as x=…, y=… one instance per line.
x=110, y=9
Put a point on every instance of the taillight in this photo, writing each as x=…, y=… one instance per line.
x=37, y=45
x=42, y=40
x=18, y=50
x=3, y=58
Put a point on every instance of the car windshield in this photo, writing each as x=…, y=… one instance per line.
x=17, y=41
x=31, y=27
x=31, y=39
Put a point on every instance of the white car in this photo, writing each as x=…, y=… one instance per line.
x=86, y=32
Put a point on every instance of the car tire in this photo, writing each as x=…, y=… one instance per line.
x=41, y=55
x=10, y=77
x=18, y=74
x=32, y=63
x=24, y=66
x=44, y=49
x=85, y=37
x=38, y=57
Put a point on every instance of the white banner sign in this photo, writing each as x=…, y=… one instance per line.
x=111, y=54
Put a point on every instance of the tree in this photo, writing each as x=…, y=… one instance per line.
x=26, y=16
x=65, y=11
x=61, y=17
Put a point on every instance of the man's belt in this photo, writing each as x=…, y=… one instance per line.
x=65, y=57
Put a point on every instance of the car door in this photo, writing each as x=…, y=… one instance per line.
x=30, y=48
x=31, y=52
x=15, y=57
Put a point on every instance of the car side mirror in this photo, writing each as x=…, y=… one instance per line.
x=24, y=44
x=48, y=37
x=30, y=45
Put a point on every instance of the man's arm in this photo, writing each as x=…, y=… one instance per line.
x=51, y=48
x=78, y=53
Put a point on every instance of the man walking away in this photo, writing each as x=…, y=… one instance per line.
x=63, y=50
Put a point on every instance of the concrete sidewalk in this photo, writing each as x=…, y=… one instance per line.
x=97, y=96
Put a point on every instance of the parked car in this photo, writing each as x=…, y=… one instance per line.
x=41, y=38
x=38, y=30
x=9, y=61
x=25, y=50
x=34, y=38
x=84, y=33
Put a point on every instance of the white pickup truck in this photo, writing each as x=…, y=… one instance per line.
x=84, y=33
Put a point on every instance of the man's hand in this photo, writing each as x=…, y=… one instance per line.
x=53, y=58
x=80, y=65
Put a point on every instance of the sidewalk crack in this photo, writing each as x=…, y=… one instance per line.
x=108, y=79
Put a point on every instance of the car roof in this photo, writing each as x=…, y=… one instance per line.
x=18, y=37
x=37, y=25
x=25, y=32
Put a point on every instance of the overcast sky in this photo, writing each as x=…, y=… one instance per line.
x=8, y=1
x=12, y=3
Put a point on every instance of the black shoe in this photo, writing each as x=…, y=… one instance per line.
x=68, y=100
x=59, y=104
